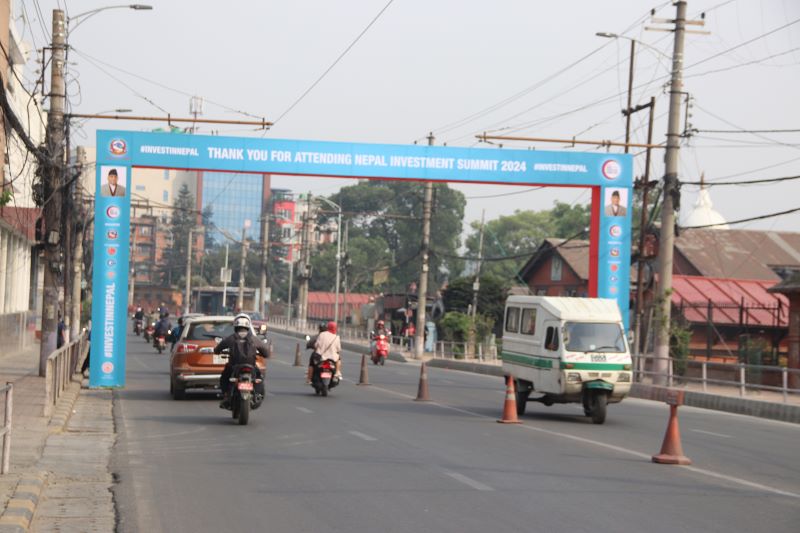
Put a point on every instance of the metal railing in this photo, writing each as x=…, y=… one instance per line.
x=61, y=367
x=6, y=430
x=740, y=376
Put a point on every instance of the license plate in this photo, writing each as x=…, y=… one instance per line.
x=598, y=358
x=220, y=359
x=245, y=385
x=325, y=375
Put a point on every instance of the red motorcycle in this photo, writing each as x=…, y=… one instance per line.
x=380, y=349
x=324, y=377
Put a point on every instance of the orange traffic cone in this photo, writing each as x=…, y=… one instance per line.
x=422, y=392
x=510, y=405
x=363, y=379
x=671, y=449
x=297, y=361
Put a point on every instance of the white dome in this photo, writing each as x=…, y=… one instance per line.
x=703, y=213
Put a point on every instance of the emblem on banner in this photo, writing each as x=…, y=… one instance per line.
x=118, y=147
x=611, y=169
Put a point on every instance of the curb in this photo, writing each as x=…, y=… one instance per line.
x=350, y=346
x=63, y=410
x=730, y=404
x=466, y=366
x=19, y=512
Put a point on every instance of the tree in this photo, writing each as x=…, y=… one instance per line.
x=517, y=236
x=491, y=297
x=184, y=218
x=390, y=214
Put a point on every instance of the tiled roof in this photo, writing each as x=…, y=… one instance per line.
x=728, y=296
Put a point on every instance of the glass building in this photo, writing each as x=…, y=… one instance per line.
x=234, y=198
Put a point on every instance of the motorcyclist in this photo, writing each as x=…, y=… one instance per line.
x=380, y=329
x=163, y=326
x=328, y=346
x=313, y=359
x=138, y=316
x=243, y=346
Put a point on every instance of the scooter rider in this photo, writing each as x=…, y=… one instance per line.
x=163, y=326
x=380, y=329
x=328, y=346
x=243, y=346
x=176, y=332
x=138, y=316
x=314, y=358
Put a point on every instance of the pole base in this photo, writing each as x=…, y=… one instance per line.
x=509, y=422
x=667, y=459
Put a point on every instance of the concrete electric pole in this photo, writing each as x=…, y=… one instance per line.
x=77, y=250
x=667, y=240
x=262, y=307
x=52, y=191
x=187, y=298
x=242, y=266
x=422, y=289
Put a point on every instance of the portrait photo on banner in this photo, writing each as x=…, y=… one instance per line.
x=112, y=181
x=616, y=202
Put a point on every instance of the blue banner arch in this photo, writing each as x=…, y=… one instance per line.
x=609, y=176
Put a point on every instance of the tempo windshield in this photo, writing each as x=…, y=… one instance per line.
x=589, y=337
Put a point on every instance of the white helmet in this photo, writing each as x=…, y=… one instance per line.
x=241, y=321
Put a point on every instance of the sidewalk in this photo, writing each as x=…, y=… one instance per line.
x=59, y=479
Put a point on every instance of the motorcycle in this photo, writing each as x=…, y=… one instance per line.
x=149, y=332
x=160, y=342
x=137, y=326
x=324, y=377
x=380, y=349
x=244, y=396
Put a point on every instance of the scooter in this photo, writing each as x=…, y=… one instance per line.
x=380, y=349
x=324, y=377
x=149, y=331
x=137, y=326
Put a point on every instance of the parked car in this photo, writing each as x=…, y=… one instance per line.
x=193, y=364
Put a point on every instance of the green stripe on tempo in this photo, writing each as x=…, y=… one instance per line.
x=543, y=362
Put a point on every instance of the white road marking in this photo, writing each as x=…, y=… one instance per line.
x=477, y=485
x=362, y=436
x=304, y=410
x=712, y=433
x=620, y=449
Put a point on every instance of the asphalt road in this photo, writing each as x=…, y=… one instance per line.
x=368, y=458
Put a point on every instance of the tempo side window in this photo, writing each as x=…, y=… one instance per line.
x=528, y=321
x=512, y=320
x=551, y=339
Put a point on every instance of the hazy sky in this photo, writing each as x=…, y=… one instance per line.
x=456, y=68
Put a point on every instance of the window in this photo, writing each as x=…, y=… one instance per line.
x=145, y=230
x=551, y=339
x=555, y=268
x=594, y=337
x=286, y=232
x=512, y=320
x=528, y=321
x=140, y=187
x=166, y=196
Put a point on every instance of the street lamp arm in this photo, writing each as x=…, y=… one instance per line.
x=86, y=15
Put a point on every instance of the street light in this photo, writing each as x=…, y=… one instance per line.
x=89, y=14
x=338, y=252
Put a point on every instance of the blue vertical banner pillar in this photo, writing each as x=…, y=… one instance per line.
x=111, y=257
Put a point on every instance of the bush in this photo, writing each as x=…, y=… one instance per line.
x=679, y=337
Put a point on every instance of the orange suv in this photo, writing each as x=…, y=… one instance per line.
x=193, y=364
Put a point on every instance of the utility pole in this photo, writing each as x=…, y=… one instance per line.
x=242, y=266
x=422, y=289
x=645, y=185
x=630, y=91
x=667, y=240
x=225, y=281
x=52, y=190
x=132, y=277
x=477, y=285
x=305, y=268
x=187, y=298
x=262, y=307
x=77, y=249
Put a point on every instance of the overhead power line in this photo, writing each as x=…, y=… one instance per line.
x=336, y=61
x=747, y=182
x=743, y=220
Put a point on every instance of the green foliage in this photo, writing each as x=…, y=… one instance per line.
x=491, y=297
x=390, y=214
x=455, y=327
x=679, y=337
x=6, y=196
x=184, y=218
x=523, y=232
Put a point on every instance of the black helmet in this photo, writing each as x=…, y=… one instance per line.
x=323, y=326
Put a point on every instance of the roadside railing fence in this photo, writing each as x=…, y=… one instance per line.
x=5, y=466
x=62, y=365
x=744, y=377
